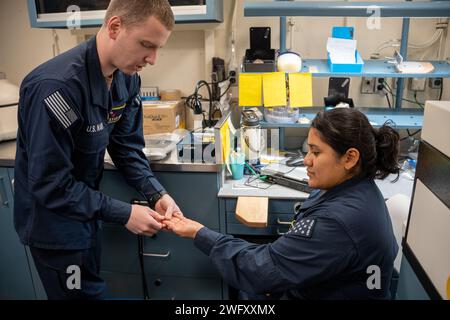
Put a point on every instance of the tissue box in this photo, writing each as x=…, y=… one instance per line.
x=347, y=67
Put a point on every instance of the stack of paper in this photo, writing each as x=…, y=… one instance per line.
x=341, y=51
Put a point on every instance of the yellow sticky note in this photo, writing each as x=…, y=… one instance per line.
x=300, y=90
x=225, y=140
x=274, y=89
x=250, y=90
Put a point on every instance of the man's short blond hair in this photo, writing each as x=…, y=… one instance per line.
x=134, y=12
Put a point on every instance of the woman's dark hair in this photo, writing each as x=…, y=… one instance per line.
x=345, y=128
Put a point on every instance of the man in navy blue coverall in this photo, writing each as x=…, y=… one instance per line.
x=71, y=109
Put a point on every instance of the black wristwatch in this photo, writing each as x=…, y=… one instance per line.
x=155, y=198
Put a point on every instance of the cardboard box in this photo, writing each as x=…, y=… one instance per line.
x=163, y=117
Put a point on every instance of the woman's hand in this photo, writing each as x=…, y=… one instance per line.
x=182, y=226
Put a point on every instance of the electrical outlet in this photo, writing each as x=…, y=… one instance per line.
x=379, y=85
x=435, y=83
x=232, y=75
x=417, y=84
x=367, y=85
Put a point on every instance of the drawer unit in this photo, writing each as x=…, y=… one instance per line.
x=167, y=254
x=274, y=219
x=278, y=224
x=129, y=286
x=281, y=213
x=180, y=288
x=275, y=206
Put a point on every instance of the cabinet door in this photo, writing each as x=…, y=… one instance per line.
x=15, y=276
x=129, y=286
x=166, y=254
x=180, y=288
x=170, y=255
x=174, y=267
x=195, y=194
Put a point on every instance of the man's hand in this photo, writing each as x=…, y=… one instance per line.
x=166, y=206
x=144, y=220
x=183, y=226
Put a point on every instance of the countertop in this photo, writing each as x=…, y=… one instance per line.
x=239, y=188
x=170, y=163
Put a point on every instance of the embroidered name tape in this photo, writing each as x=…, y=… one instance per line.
x=61, y=109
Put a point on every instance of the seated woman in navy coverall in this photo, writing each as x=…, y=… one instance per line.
x=341, y=244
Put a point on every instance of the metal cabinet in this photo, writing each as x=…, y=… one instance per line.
x=15, y=276
x=174, y=268
x=81, y=13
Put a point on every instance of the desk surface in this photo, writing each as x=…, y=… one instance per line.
x=170, y=163
x=238, y=188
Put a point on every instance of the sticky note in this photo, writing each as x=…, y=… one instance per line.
x=300, y=90
x=225, y=139
x=250, y=90
x=274, y=89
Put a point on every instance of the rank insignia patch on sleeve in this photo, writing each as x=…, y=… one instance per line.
x=303, y=228
x=59, y=108
x=138, y=99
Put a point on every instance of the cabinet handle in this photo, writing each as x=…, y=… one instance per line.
x=284, y=222
x=157, y=282
x=154, y=255
x=280, y=233
x=13, y=185
x=3, y=192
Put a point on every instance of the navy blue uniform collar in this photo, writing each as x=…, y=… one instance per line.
x=317, y=197
x=97, y=83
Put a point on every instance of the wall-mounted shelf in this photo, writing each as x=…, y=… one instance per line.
x=375, y=68
x=346, y=9
x=372, y=68
x=406, y=118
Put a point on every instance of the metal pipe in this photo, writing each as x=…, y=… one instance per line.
x=282, y=34
x=282, y=8
x=404, y=53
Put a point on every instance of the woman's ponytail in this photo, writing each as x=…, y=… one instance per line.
x=345, y=128
x=387, y=145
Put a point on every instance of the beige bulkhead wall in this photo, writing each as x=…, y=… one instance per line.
x=186, y=57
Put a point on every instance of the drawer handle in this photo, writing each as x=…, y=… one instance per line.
x=284, y=222
x=3, y=192
x=154, y=255
x=280, y=233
